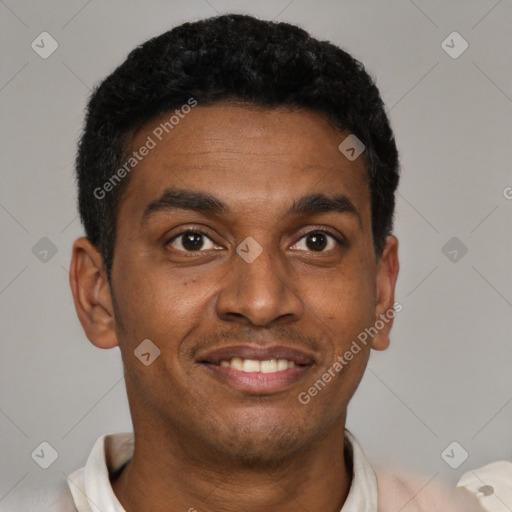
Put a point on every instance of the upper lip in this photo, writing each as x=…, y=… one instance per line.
x=257, y=352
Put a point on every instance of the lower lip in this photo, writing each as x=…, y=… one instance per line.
x=258, y=382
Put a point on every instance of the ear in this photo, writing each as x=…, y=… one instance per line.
x=91, y=294
x=387, y=273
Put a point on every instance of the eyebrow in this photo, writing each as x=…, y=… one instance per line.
x=173, y=199
x=204, y=203
x=320, y=203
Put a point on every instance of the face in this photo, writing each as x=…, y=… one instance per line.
x=251, y=293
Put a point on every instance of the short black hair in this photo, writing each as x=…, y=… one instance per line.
x=237, y=58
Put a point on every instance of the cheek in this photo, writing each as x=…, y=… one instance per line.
x=154, y=303
x=341, y=312
x=153, y=306
x=344, y=302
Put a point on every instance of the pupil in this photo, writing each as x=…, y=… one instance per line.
x=318, y=241
x=193, y=241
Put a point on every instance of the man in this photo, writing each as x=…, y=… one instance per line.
x=236, y=184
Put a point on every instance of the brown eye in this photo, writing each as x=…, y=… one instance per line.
x=317, y=241
x=191, y=241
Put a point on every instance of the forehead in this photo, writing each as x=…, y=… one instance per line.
x=248, y=157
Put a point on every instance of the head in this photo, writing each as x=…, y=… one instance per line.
x=219, y=211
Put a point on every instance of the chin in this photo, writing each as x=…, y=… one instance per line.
x=263, y=451
x=256, y=445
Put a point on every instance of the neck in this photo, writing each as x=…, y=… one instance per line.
x=163, y=480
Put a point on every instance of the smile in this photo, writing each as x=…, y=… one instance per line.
x=256, y=369
x=253, y=365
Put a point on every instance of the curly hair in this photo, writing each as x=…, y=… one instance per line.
x=235, y=58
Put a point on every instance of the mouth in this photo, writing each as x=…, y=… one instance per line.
x=257, y=370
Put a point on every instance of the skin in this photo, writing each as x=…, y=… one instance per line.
x=200, y=443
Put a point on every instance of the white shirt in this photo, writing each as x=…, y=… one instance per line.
x=92, y=492
x=491, y=484
x=89, y=490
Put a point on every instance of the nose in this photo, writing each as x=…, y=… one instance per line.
x=260, y=292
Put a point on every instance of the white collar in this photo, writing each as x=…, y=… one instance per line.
x=92, y=492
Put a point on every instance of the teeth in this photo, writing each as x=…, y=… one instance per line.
x=253, y=365
x=282, y=364
x=236, y=363
x=269, y=366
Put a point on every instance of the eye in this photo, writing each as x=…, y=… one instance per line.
x=191, y=240
x=318, y=241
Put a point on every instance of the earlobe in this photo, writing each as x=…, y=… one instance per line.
x=387, y=274
x=91, y=294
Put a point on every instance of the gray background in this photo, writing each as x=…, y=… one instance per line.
x=446, y=376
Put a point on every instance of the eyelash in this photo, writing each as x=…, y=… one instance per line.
x=339, y=241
